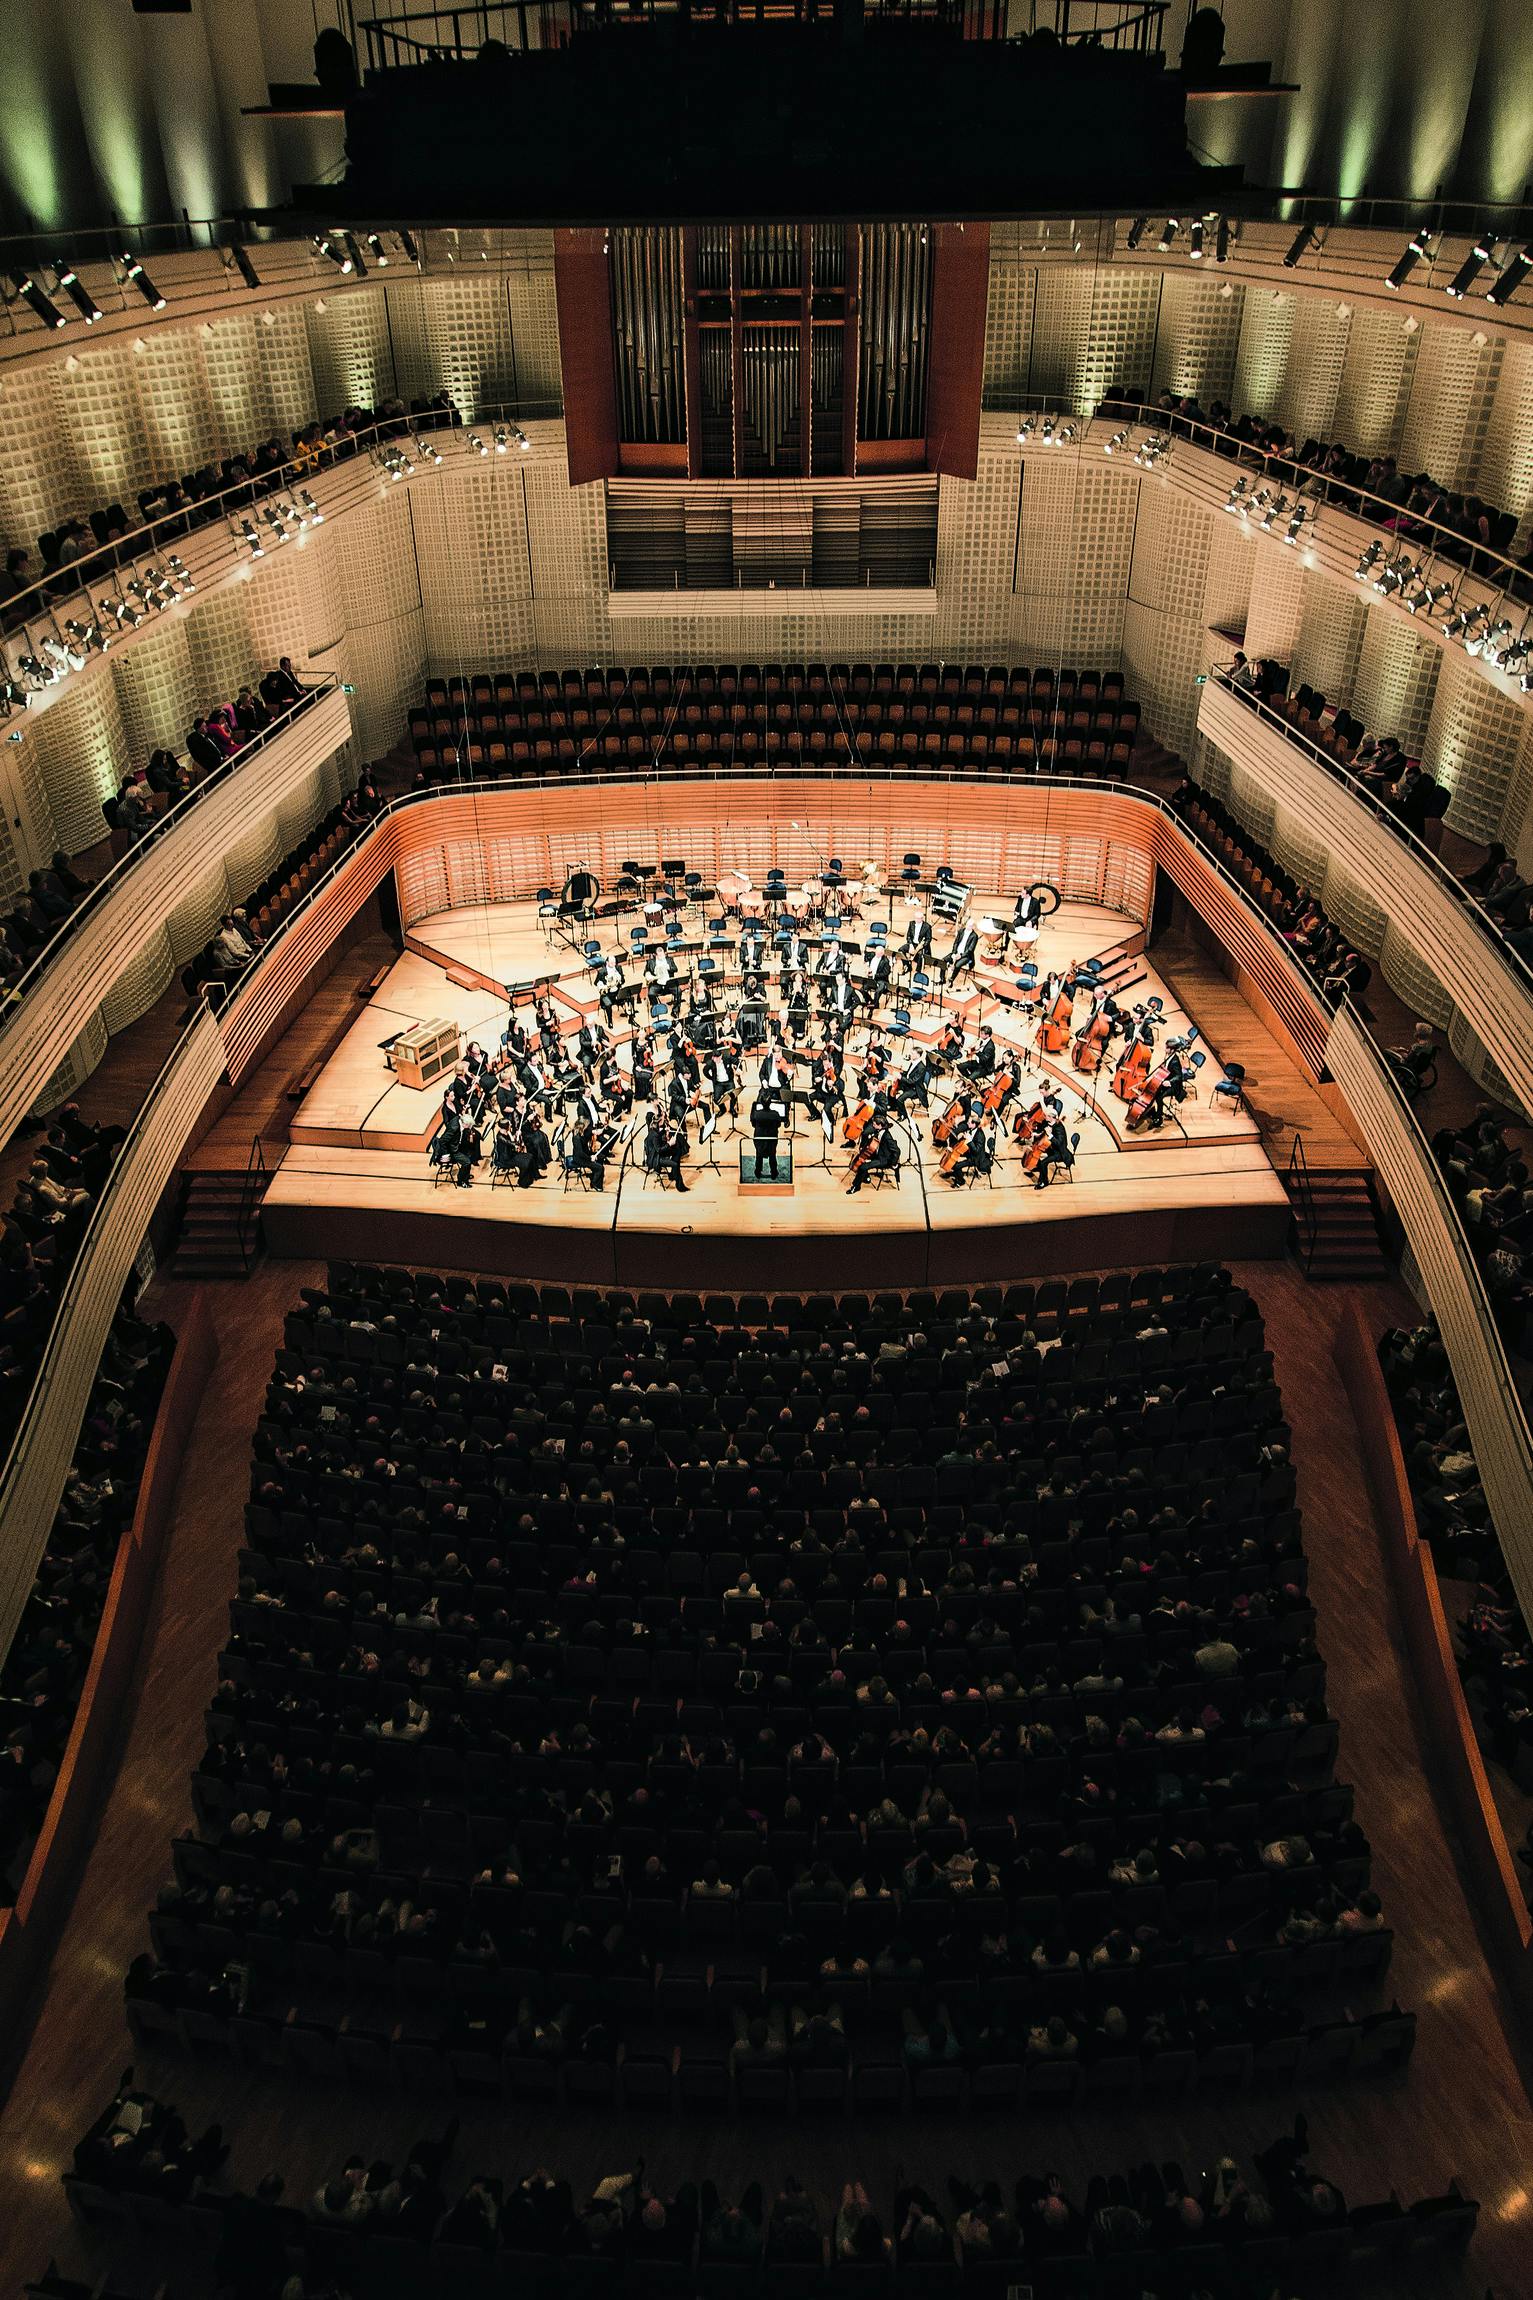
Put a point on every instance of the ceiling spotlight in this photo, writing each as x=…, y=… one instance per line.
x=1064, y=436
x=1303, y=238
x=1497, y=639
x=1195, y=238
x=1409, y=259
x=141, y=280
x=522, y=441
x=1393, y=575
x=427, y=450
x=1301, y=512
x=13, y=696
x=1173, y=225
x=1136, y=231
x=1513, y=272
x=349, y=242
x=335, y=249
x=1118, y=439
x=243, y=264
x=407, y=242
x=179, y=576
x=1516, y=651
x=477, y=444
x=78, y=293
x=1471, y=267
x=35, y=300
x=1222, y=240
x=380, y=252
x=1275, y=510
x=503, y=439
x=1153, y=449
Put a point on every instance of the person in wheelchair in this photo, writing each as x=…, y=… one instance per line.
x=1415, y=1065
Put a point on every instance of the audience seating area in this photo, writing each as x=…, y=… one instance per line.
x=225, y=956
x=717, y=717
x=1315, y=940
x=44, y=1672
x=40, y=1235
x=757, y=1704
x=1486, y=1171
x=146, y=2186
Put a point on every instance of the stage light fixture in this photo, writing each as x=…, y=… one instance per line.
x=1172, y=226
x=334, y=249
x=1516, y=651
x=1410, y=258
x=477, y=444
x=380, y=252
x=1513, y=272
x=522, y=441
x=78, y=293
x=1195, y=239
x=1275, y=510
x=240, y=256
x=427, y=450
x=251, y=538
x=13, y=695
x=1136, y=231
x=1470, y=269
x=1118, y=439
x=349, y=243
x=141, y=280
x=1236, y=499
x=316, y=516
x=1368, y=561
x=1153, y=449
x=1303, y=239
x=407, y=242
x=1394, y=575
x=1487, y=638
x=1301, y=512
x=1222, y=240
x=35, y=300
x=503, y=438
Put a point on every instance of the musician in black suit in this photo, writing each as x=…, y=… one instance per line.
x=877, y=1152
x=1058, y=1153
x=918, y=940
x=798, y=1015
x=827, y=1094
x=592, y=1147
x=776, y=1072
x=767, y=1116
x=914, y=1083
x=590, y=1045
x=721, y=1081
x=1028, y=912
x=838, y=998
x=612, y=983
x=960, y=959
x=981, y=1063
x=876, y=983
x=660, y=968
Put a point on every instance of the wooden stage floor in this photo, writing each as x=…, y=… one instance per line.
x=355, y=1179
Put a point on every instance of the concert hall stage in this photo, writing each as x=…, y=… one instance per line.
x=356, y=1180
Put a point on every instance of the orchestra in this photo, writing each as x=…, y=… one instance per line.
x=797, y=1015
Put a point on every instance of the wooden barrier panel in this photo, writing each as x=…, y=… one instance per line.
x=1412, y=886
x=1450, y=1742
x=29, y=1930
x=1498, y=1427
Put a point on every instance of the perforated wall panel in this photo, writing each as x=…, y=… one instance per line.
x=224, y=657
x=1505, y=475
x=471, y=541
x=289, y=380
x=175, y=404
x=466, y=337
x=1397, y=669
x=1008, y=327
x=1261, y=359
x=1252, y=806
x=82, y=754
x=1197, y=335
x=157, y=687
x=97, y=405
x=1471, y=1055
x=1297, y=847
x=349, y=352
x=77, y=1064
x=1275, y=608
x=193, y=922
x=1375, y=381
x=1411, y=976
x=1354, y=909
x=1472, y=744
x=140, y=982
x=38, y=478
x=537, y=384
x=236, y=376
x=1330, y=638
x=1317, y=349
x=1448, y=414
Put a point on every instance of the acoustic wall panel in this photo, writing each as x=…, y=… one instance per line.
x=1330, y=638
x=81, y=747
x=350, y=356
x=1448, y=416
x=157, y=687
x=1472, y=745
x=1397, y=671
x=1261, y=357
x=1275, y=605
x=1008, y=324
x=98, y=405
x=288, y=378
x=1375, y=381
x=237, y=394
x=1505, y=474
x=175, y=403
x=1317, y=348
x=1197, y=336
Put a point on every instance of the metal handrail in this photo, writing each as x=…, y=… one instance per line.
x=1419, y=850
x=110, y=880
x=1469, y=558
x=255, y=1172
x=1302, y=1198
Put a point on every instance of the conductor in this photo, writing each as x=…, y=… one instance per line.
x=767, y=1115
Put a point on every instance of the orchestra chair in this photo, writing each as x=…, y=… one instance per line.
x=1069, y=1163
x=899, y=1025
x=1195, y=1062
x=693, y=882
x=718, y=934
x=548, y=910
x=638, y=936
x=593, y=954
x=880, y=1177
x=707, y=971
x=921, y=989
x=673, y=930
x=910, y=868
x=1233, y=1084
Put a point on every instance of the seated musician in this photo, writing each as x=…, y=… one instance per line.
x=878, y=1152
x=795, y=957
x=616, y=1092
x=513, y=1039
x=857, y=1120
x=981, y=1063
x=465, y=1152
x=590, y=1045
x=776, y=1073
x=1058, y=1153
x=643, y=1070
x=536, y=1150
x=798, y=1015
x=679, y=1097
x=832, y=959
x=960, y=959
x=838, y=997
x=720, y=1081
x=949, y=1046
x=752, y=948
x=665, y=1146
x=826, y=1093
x=877, y=980
x=685, y=1063
x=475, y=1060
x=918, y=940
x=981, y=1155
x=592, y=1146
x=660, y=968
x=1027, y=914
x=612, y=983
x=915, y=1082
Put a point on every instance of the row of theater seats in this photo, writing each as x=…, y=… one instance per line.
x=894, y=715
x=617, y=1690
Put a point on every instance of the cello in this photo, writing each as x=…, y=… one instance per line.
x=997, y=1092
x=1148, y=1097
x=853, y=1124
x=952, y=1159
x=1035, y=1143
x=1055, y=1033
x=1091, y=1045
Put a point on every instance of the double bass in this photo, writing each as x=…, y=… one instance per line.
x=1091, y=1045
x=1055, y=1034
x=1132, y=1071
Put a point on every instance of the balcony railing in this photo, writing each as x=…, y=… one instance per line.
x=75, y=971
x=1493, y=1411
x=1451, y=934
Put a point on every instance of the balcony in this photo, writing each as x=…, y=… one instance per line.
x=103, y=939
x=1427, y=910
